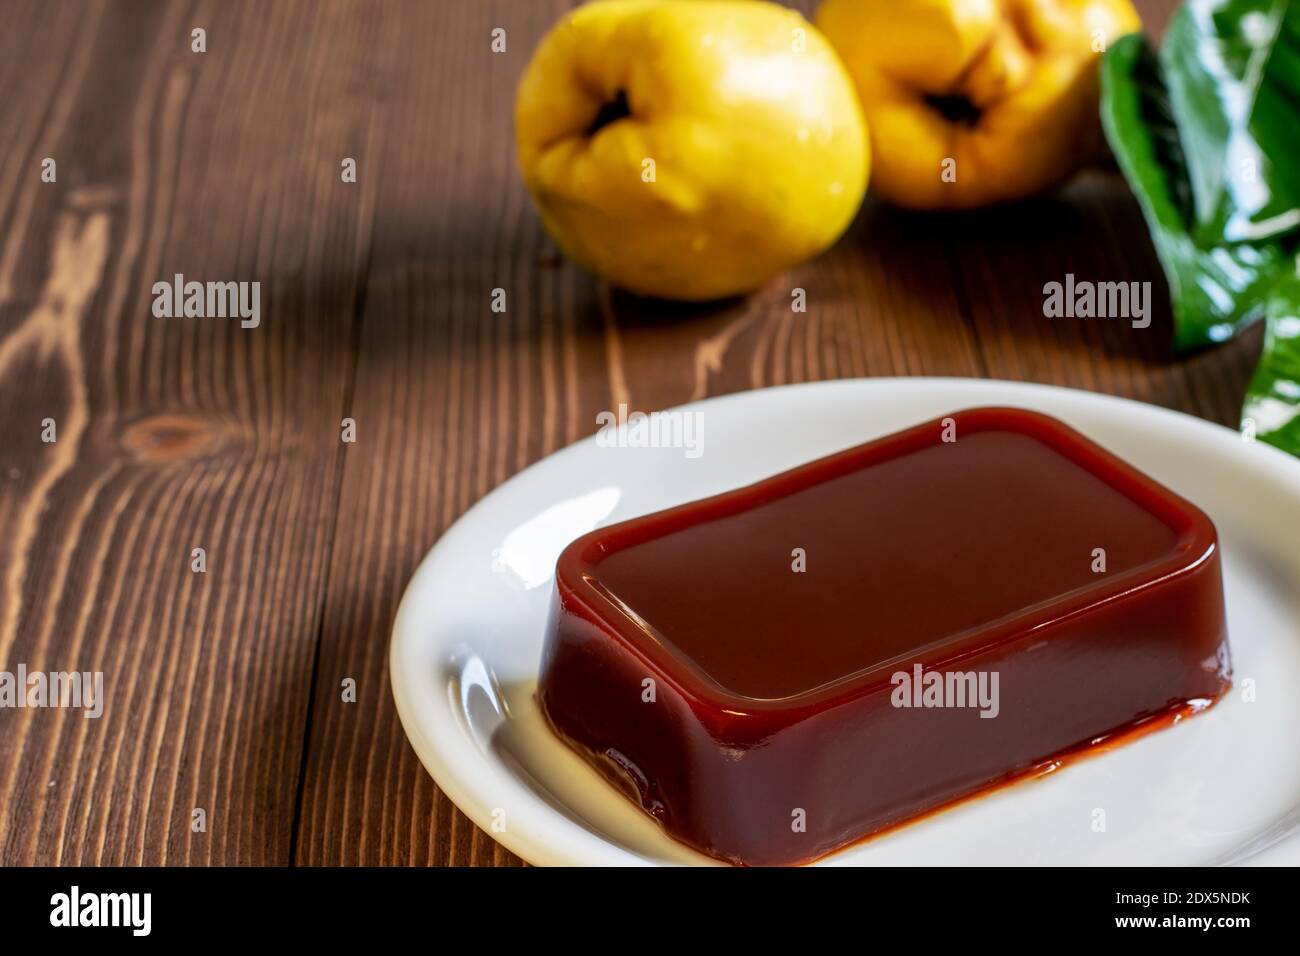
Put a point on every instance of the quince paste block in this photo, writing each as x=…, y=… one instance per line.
x=777, y=671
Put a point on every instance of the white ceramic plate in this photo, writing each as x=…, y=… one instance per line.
x=1223, y=787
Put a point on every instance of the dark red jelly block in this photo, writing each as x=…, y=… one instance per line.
x=775, y=733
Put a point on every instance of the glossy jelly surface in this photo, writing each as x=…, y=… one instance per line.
x=734, y=664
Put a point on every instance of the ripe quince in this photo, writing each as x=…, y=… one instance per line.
x=972, y=102
x=690, y=149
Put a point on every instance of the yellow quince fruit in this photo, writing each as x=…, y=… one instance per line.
x=971, y=102
x=690, y=149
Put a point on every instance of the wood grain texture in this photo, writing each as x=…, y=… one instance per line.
x=224, y=688
x=175, y=433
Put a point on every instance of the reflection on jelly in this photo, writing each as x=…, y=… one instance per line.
x=778, y=671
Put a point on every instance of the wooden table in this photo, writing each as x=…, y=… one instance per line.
x=224, y=687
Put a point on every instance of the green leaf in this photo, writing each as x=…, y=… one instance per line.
x=1272, y=407
x=1233, y=73
x=1207, y=133
x=1186, y=128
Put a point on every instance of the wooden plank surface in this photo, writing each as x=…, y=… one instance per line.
x=174, y=433
x=223, y=688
